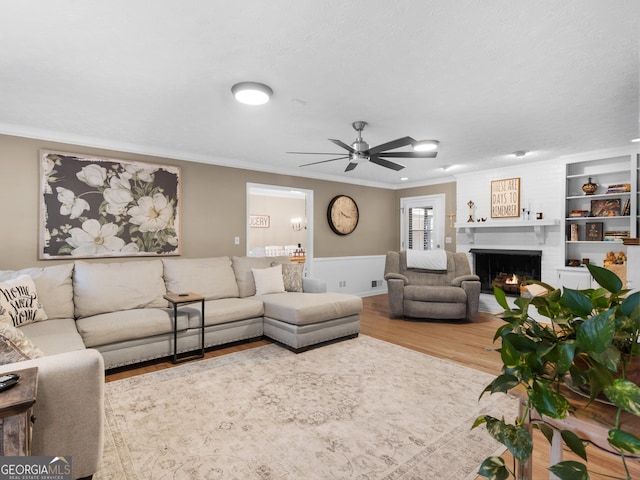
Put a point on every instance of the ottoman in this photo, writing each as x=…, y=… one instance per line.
x=300, y=321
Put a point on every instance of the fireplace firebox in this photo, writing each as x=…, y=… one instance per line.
x=507, y=269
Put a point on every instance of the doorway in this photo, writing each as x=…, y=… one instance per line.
x=422, y=222
x=278, y=220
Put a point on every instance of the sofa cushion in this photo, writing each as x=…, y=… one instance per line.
x=19, y=303
x=244, y=276
x=292, y=276
x=224, y=310
x=54, y=285
x=268, y=280
x=55, y=336
x=442, y=294
x=111, y=287
x=210, y=277
x=308, y=308
x=15, y=346
x=132, y=324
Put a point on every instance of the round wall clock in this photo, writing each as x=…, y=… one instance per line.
x=342, y=214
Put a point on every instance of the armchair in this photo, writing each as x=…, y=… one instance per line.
x=453, y=293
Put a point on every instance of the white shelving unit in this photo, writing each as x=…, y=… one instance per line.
x=617, y=169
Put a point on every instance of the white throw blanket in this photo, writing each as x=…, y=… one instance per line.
x=427, y=259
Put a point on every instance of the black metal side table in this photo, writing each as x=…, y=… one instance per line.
x=178, y=299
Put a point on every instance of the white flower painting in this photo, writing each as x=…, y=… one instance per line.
x=98, y=207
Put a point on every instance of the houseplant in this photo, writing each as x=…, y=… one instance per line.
x=592, y=339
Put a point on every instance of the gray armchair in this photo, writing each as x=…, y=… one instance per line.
x=453, y=293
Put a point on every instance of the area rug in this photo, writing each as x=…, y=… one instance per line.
x=357, y=409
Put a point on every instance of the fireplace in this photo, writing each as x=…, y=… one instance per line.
x=507, y=269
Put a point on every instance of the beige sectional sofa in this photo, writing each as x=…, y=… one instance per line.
x=107, y=315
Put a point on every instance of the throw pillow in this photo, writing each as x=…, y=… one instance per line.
x=292, y=276
x=15, y=347
x=19, y=302
x=268, y=280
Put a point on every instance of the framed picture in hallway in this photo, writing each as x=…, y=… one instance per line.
x=103, y=207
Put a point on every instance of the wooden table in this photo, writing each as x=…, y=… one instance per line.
x=177, y=299
x=15, y=414
x=589, y=422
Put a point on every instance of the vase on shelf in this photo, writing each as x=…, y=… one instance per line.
x=589, y=188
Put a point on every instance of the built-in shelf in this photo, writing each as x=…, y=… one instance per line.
x=537, y=226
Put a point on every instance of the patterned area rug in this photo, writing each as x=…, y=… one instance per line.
x=358, y=409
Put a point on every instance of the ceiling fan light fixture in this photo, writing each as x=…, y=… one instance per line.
x=252, y=93
x=635, y=140
x=425, y=145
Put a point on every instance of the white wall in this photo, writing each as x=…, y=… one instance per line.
x=351, y=274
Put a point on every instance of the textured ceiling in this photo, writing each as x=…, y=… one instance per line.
x=485, y=78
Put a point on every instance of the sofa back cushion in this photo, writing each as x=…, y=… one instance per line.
x=242, y=267
x=54, y=285
x=212, y=278
x=111, y=287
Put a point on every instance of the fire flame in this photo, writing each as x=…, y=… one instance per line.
x=512, y=280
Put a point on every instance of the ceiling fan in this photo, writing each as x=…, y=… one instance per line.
x=359, y=151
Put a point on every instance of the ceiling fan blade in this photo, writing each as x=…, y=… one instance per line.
x=409, y=154
x=393, y=144
x=340, y=143
x=385, y=163
x=350, y=167
x=323, y=161
x=315, y=153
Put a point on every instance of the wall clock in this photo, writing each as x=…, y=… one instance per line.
x=342, y=214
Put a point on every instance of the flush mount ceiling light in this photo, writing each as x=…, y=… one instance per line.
x=519, y=153
x=425, y=145
x=251, y=93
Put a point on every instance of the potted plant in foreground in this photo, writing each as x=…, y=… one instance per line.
x=592, y=339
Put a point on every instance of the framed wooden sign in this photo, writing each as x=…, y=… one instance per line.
x=505, y=198
x=259, y=221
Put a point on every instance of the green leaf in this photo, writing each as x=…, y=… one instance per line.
x=504, y=383
x=494, y=469
x=631, y=303
x=605, y=278
x=516, y=438
x=577, y=302
x=624, y=441
x=574, y=443
x=624, y=394
x=501, y=298
x=521, y=343
x=596, y=333
x=546, y=430
x=564, y=354
x=570, y=470
x=548, y=402
x=510, y=355
x=599, y=377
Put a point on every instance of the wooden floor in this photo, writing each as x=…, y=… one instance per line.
x=467, y=343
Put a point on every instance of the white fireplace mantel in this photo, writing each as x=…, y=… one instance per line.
x=537, y=226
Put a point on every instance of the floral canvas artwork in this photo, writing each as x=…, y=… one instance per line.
x=100, y=207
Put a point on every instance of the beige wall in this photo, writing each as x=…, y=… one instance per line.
x=213, y=206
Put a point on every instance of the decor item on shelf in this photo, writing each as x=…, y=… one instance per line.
x=589, y=188
x=605, y=208
x=298, y=224
x=573, y=262
x=538, y=215
x=615, y=259
x=574, y=233
x=470, y=204
x=505, y=198
x=579, y=213
x=593, y=231
x=585, y=261
x=482, y=219
x=590, y=345
x=103, y=207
